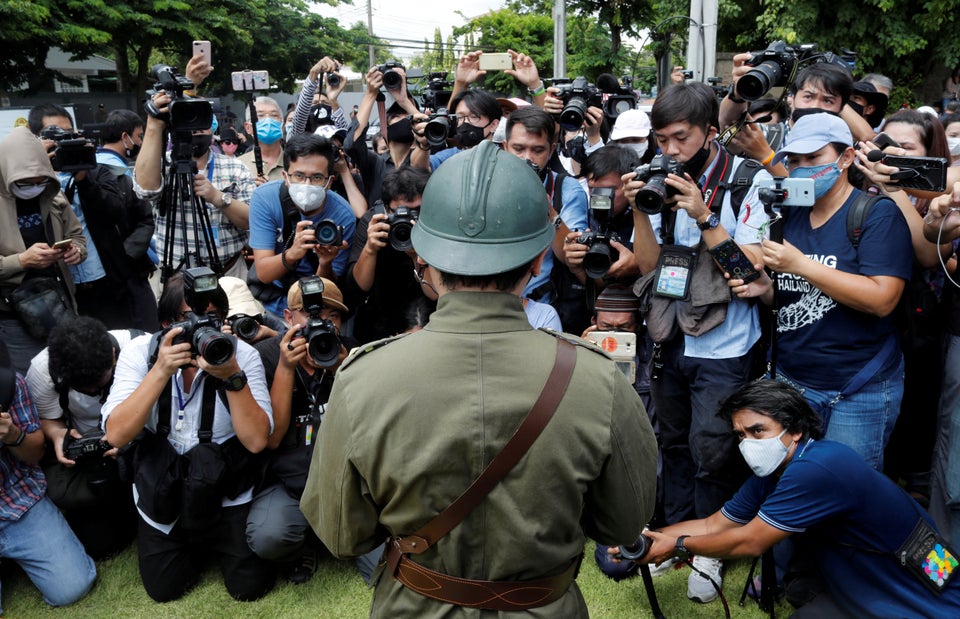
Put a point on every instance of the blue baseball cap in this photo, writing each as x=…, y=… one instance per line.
x=812, y=132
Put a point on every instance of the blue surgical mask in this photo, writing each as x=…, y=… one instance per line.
x=269, y=130
x=824, y=176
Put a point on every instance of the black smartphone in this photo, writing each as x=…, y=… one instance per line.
x=882, y=141
x=732, y=260
x=927, y=173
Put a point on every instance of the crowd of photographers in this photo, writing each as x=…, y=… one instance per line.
x=187, y=421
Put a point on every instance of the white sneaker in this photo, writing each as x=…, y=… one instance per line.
x=699, y=588
x=663, y=568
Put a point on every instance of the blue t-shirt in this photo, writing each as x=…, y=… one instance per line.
x=822, y=343
x=436, y=159
x=831, y=495
x=266, y=229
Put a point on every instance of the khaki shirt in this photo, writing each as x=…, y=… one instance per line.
x=412, y=423
x=274, y=173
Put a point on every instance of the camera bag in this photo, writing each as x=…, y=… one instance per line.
x=41, y=303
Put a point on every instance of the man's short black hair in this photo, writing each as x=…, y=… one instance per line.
x=171, y=300
x=692, y=102
x=533, y=120
x=403, y=183
x=80, y=351
x=306, y=144
x=479, y=102
x=612, y=158
x=834, y=79
x=501, y=281
x=780, y=402
x=119, y=122
x=37, y=113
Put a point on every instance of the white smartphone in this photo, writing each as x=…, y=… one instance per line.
x=495, y=61
x=203, y=48
x=250, y=80
x=620, y=345
x=797, y=191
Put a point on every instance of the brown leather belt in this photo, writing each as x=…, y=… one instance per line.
x=501, y=595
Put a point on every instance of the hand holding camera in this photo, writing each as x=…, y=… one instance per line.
x=378, y=230
x=293, y=347
x=324, y=65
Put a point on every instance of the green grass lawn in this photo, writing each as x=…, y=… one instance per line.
x=337, y=591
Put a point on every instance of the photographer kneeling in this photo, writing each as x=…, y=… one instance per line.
x=68, y=382
x=875, y=547
x=195, y=394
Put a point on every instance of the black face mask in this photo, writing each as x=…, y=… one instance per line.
x=576, y=149
x=200, y=145
x=856, y=107
x=133, y=151
x=695, y=164
x=541, y=172
x=797, y=114
x=401, y=132
x=469, y=135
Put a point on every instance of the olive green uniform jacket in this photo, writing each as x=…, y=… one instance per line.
x=412, y=423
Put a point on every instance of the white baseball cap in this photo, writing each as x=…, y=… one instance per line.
x=631, y=124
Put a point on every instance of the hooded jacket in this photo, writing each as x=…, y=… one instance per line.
x=22, y=156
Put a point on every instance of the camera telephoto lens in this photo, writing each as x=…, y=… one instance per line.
x=212, y=345
x=650, y=198
x=246, y=327
x=323, y=346
x=597, y=261
x=636, y=550
x=392, y=80
x=328, y=233
x=400, y=236
x=571, y=117
x=437, y=131
x=758, y=81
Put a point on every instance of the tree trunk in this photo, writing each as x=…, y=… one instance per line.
x=123, y=66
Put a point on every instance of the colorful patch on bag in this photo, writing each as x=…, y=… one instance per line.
x=939, y=564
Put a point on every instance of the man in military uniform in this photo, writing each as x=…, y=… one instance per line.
x=413, y=422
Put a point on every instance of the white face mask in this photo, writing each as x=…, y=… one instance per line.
x=308, y=198
x=763, y=455
x=640, y=149
x=27, y=193
x=954, y=144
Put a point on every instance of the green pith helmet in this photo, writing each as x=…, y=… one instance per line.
x=484, y=211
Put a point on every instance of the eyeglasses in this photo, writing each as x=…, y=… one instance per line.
x=315, y=179
x=473, y=119
x=228, y=142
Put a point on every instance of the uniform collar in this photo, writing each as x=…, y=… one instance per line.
x=478, y=312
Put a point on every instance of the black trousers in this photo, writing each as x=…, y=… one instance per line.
x=171, y=564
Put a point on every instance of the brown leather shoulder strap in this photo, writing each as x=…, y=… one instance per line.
x=528, y=431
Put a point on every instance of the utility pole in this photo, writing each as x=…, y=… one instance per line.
x=370, y=31
x=559, y=38
x=702, y=54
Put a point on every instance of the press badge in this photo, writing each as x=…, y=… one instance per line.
x=674, y=271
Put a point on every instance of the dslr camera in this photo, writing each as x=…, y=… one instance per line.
x=599, y=257
x=401, y=224
x=323, y=344
x=651, y=198
x=245, y=326
x=392, y=80
x=200, y=329
x=329, y=233
x=439, y=128
x=577, y=96
x=72, y=151
x=772, y=67
x=89, y=448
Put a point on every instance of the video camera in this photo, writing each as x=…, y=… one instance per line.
x=323, y=344
x=201, y=329
x=72, y=151
x=599, y=257
x=437, y=94
x=392, y=80
x=619, y=98
x=652, y=197
x=577, y=96
x=776, y=66
x=186, y=114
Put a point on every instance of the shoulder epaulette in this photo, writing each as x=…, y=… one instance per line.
x=577, y=341
x=364, y=349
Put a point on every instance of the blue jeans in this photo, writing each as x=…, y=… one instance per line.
x=42, y=543
x=862, y=420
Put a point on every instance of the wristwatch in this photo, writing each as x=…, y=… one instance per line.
x=225, y=200
x=236, y=382
x=680, y=550
x=712, y=222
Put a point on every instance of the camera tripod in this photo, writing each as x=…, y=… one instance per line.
x=179, y=200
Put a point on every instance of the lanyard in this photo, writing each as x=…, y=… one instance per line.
x=210, y=166
x=181, y=405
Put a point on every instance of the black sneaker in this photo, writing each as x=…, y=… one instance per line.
x=303, y=569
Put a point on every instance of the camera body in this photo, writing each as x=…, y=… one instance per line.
x=323, y=343
x=392, y=80
x=598, y=259
x=245, y=326
x=200, y=329
x=577, y=96
x=328, y=232
x=439, y=128
x=401, y=223
x=651, y=198
x=89, y=448
x=72, y=151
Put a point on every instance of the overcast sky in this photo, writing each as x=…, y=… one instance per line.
x=409, y=19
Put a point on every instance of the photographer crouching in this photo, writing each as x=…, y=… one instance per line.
x=194, y=394
x=69, y=381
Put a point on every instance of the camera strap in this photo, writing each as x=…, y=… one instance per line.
x=488, y=594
